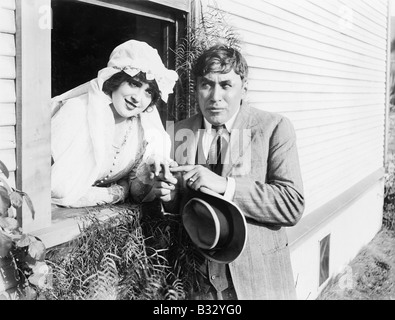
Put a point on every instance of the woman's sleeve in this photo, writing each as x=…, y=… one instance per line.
x=157, y=139
x=156, y=146
x=101, y=195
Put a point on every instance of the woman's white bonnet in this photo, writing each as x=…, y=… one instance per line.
x=134, y=56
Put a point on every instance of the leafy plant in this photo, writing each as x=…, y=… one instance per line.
x=123, y=258
x=211, y=29
x=22, y=266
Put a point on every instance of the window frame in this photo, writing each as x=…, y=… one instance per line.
x=33, y=90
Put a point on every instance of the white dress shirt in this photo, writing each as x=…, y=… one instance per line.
x=207, y=138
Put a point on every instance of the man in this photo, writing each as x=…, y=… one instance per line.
x=259, y=171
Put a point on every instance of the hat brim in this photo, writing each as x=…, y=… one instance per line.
x=236, y=245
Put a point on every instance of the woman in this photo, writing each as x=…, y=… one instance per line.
x=104, y=132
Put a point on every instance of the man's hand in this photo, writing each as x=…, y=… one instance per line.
x=197, y=176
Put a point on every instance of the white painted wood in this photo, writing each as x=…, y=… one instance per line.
x=308, y=66
x=276, y=38
x=7, y=156
x=7, y=44
x=267, y=14
x=358, y=29
x=281, y=86
x=7, y=114
x=283, y=76
x=34, y=83
x=301, y=54
x=7, y=89
x=301, y=106
x=7, y=67
x=7, y=4
x=260, y=96
x=7, y=138
x=7, y=21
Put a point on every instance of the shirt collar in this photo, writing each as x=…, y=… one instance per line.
x=228, y=124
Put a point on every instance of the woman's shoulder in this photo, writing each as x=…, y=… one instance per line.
x=73, y=108
x=77, y=104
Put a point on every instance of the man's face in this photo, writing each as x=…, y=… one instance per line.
x=219, y=95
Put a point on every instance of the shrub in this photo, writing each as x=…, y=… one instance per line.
x=124, y=258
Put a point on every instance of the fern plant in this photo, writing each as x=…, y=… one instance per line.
x=124, y=258
x=211, y=29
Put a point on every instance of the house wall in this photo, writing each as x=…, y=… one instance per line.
x=323, y=64
x=350, y=230
x=7, y=86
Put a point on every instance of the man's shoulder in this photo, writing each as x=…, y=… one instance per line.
x=263, y=118
x=188, y=122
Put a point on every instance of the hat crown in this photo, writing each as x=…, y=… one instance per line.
x=215, y=225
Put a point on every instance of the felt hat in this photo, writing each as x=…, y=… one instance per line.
x=215, y=225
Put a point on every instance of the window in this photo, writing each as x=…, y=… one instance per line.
x=324, y=259
x=69, y=53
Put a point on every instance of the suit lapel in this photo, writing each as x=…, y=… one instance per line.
x=240, y=140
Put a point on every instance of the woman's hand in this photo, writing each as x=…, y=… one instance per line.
x=160, y=169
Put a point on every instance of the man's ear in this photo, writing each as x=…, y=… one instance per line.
x=244, y=89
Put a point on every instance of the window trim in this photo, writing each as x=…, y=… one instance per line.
x=33, y=150
x=33, y=62
x=144, y=8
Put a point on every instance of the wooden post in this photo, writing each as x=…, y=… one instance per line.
x=33, y=87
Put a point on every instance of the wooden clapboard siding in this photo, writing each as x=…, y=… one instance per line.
x=7, y=87
x=7, y=47
x=7, y=111
x=7, y=20
x=7, y=67
x=7, y=138
x=323, y=65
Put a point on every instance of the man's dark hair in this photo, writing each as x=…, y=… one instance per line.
x=114, y=82
x=222, y=59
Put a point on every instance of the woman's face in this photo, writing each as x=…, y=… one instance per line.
x=130, y=99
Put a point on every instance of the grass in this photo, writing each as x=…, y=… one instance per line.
x=370, y=275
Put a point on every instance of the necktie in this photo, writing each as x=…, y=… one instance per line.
x=218, y=149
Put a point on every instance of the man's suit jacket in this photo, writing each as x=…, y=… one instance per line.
x=265, y=165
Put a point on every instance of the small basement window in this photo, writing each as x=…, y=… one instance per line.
x=324, y=259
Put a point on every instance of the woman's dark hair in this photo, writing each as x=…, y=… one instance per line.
x=114, y=82
x=222, y=59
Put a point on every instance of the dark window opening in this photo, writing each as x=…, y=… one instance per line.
x=84, y=35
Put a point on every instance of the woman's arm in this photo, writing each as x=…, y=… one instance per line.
x=113, y=194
